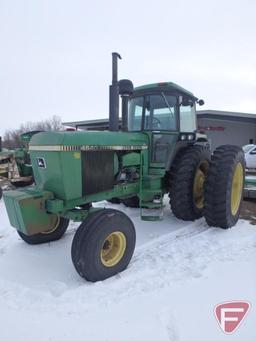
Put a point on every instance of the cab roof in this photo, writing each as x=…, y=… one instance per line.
x=163, y=86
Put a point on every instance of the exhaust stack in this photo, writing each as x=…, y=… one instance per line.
x=114, y=95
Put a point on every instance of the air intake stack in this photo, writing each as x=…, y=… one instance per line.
x=125, y=90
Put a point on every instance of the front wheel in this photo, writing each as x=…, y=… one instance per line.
x=224, y=187
x=103, y=245
x=55, y=232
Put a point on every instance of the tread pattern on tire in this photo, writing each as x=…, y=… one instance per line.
x=218, y=186
x=88, y=233
x=181, y=180
x=79, y=237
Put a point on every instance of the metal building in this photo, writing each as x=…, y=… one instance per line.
x=221, y=127
x=225, y=127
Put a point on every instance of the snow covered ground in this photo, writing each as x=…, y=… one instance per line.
x=179, y=272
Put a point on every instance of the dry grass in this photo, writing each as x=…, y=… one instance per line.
x=249, y=210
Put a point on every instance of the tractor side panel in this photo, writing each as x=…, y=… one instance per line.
x=58, y=172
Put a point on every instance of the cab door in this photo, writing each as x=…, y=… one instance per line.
x=162, y=125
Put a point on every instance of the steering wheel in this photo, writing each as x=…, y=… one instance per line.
x=156, y=123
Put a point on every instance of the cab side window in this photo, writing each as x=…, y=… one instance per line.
x=135, y=113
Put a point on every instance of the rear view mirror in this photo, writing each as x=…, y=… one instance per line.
x=200, y=102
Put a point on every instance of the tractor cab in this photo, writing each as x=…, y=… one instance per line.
x=162, y=106
x=166, y=112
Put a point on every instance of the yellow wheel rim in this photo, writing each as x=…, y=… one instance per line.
x=237, y=188
x=198, y=186
x=55, y=224
x=113, y=249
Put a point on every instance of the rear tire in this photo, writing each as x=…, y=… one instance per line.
x=224, y=187
x=54, y=234
x=133, y=202
x=186, y=182
x=103, y=245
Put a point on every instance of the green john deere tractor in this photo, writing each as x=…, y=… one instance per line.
x=15, y=167
x=157, y=152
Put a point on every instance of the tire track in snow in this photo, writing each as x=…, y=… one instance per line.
x=120, y=284
x=178, y=256
x=167, y=239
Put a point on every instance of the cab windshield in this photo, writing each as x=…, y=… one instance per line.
x=153, y=112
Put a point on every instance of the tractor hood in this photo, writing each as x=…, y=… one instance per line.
x=65, y=163
x=88, y=140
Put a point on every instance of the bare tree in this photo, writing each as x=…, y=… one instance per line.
x=11, y=138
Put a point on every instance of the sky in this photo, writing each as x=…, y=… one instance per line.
x=56, y=55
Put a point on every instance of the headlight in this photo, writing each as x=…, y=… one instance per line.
x=183, y=137
x=191, y=137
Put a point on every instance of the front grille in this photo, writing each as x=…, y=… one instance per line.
x=97, y=171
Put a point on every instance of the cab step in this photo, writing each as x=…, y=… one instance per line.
x=152, y=210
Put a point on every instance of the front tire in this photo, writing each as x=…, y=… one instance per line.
x=224, y=187
x=103, y=245
x=1, y=193
x=54, y=233
x=186, y=182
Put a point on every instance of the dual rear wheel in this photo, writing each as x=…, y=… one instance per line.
x=186, y=182
x=224, y=187
x=208, y=185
